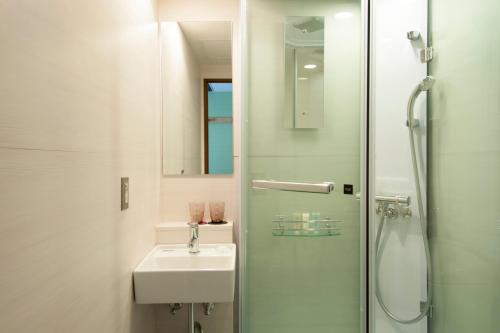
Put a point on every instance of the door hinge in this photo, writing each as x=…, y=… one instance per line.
x=426, y=54
x=430, y=313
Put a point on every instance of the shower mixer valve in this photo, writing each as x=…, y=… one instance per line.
x=393, y=208
x=388, y=210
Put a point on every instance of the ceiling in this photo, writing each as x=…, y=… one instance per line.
x=304, y=31
x=209, y=40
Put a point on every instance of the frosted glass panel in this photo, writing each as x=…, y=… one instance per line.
x=220, y=128
x=302, y=284
x=464, y=166
x=220, y=148
x=220, y=104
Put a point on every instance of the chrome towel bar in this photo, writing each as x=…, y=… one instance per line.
x=324, y=187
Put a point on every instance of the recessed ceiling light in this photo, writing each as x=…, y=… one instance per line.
x=310, y=66
x=343, y=15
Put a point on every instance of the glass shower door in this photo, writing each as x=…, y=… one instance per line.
x=302, y=269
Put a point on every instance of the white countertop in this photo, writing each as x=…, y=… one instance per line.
x=176, y=225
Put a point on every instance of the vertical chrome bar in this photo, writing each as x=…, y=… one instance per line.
x=295, y=87
x=191, y=317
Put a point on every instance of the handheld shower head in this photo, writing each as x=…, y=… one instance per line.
x=426, y=83
x=412, y=123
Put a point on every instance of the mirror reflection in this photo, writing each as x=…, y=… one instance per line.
x=197, y=97
x=304, y=69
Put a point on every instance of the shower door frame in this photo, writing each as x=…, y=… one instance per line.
x=365, y=149
x=365, y=170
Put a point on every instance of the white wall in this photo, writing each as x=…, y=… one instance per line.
x=177, y=192
x=79, y=108
x=181, y=89
x=396, y=70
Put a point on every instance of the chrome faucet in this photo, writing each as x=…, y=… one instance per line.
x=194, y=242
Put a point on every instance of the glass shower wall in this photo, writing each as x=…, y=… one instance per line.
x=464, y=166
x=398, y=266
x=310, y=283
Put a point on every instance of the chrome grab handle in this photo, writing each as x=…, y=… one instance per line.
x=324, y=187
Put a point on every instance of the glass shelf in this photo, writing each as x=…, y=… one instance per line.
x=314, y=228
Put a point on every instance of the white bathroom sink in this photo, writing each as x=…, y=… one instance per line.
x=170, y=274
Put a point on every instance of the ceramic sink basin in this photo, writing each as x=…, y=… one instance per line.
x=170, y=274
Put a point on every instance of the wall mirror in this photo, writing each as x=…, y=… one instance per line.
x=197, y=97
x=304, y=69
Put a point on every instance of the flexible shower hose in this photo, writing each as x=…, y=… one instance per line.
x=423, y=227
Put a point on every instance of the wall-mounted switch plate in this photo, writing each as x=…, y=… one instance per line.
x=124, y=193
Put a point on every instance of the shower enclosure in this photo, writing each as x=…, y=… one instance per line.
x=408, y=240
x=457, y=136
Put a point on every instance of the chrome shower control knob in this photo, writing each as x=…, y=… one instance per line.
x=405, y=211
x=391, y=212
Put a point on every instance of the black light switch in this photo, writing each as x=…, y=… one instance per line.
x=348, y=189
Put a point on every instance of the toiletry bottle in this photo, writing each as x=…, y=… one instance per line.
x=296, y=217
x=305, y=221
x=314, y=223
